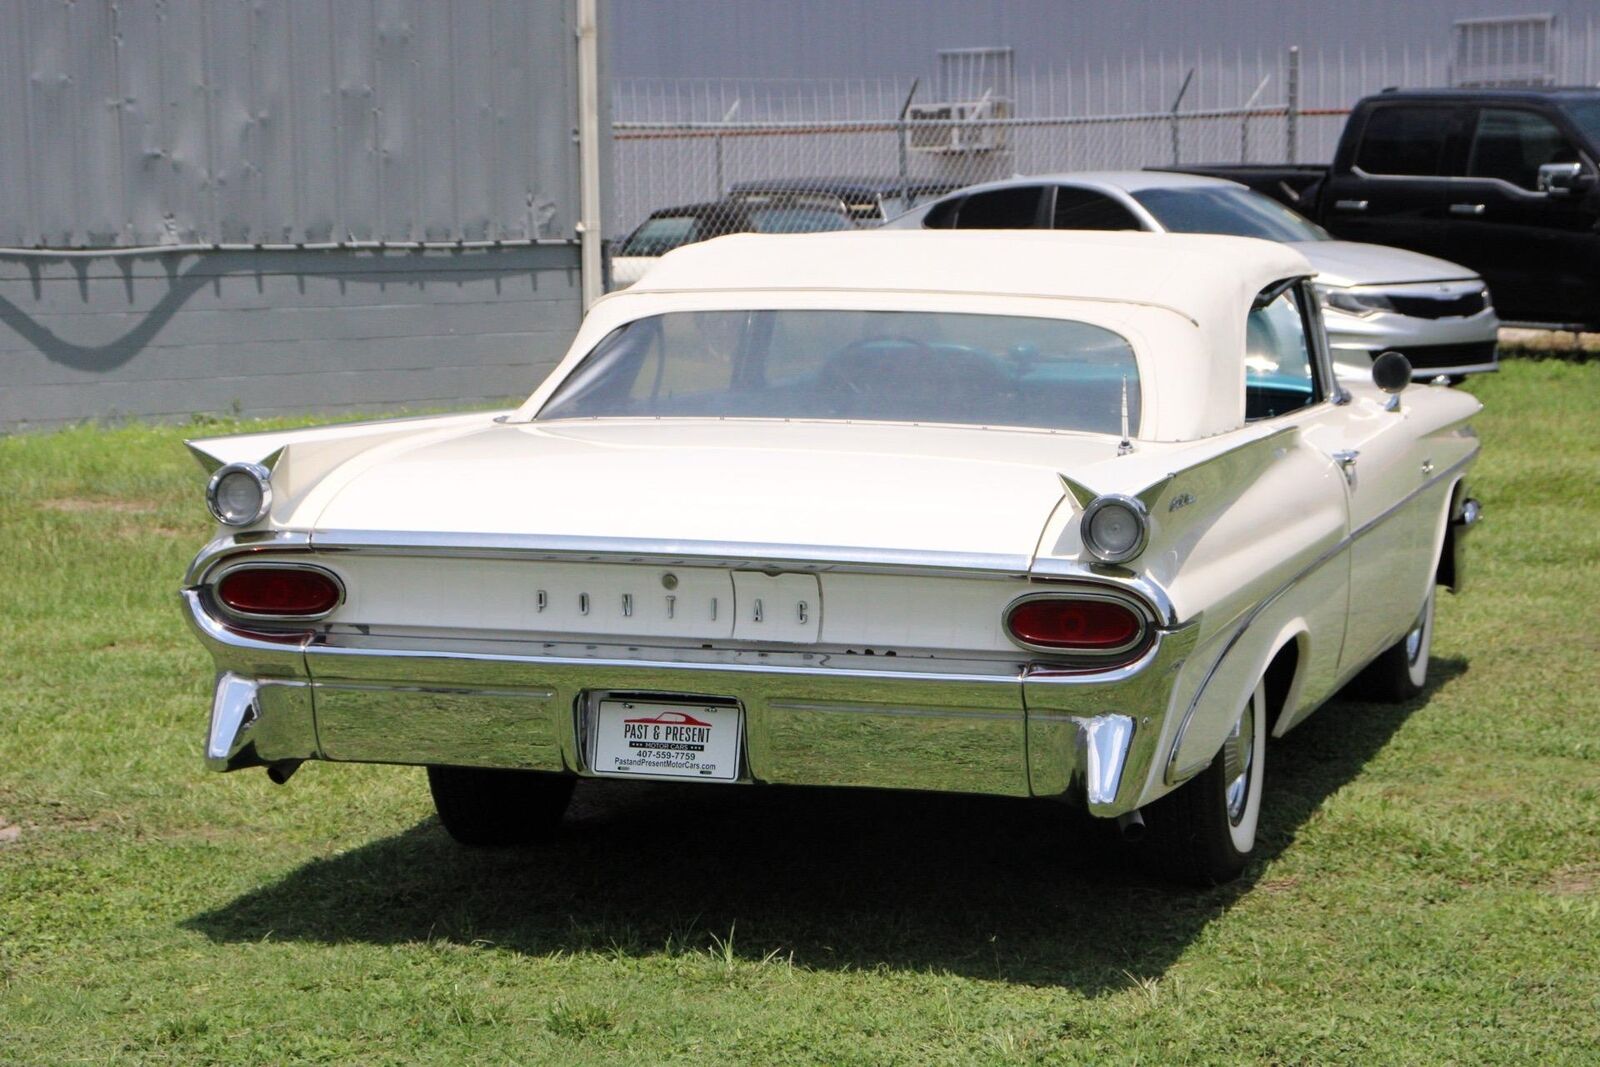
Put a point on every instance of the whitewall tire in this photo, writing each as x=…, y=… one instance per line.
x=1401, y=671
x=1205, y=832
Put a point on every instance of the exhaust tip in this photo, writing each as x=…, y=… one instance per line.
x=1131, y=826
x=280, y=773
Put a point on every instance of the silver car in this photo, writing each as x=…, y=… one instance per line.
x=1374, y=298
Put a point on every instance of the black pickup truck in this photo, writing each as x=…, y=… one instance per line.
x=1501, y=180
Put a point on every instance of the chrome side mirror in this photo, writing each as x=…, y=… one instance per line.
x=1560, y=179
x=1391, y=372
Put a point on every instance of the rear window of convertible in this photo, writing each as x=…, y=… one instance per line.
x=878, y=366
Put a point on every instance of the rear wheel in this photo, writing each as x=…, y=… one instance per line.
x=1205, y=832
x=1401, y=670
x=482, y=806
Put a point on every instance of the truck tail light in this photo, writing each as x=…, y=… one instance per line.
x=1091, y=625
x=287, y=592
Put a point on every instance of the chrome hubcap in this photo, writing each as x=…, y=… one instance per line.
x=1238, y=753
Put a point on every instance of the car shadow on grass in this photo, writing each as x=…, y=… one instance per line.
x=1011, y=890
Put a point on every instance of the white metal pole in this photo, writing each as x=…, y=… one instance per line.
x=589, y=233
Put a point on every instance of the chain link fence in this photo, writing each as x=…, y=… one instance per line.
x=662, y=163
x=795, y=155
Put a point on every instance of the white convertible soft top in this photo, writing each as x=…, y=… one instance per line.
x=1197, y=275
x=1182, y=299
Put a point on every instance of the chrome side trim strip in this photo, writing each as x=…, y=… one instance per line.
x=1175, y=774
x=1389, y=512
x=1183, y=774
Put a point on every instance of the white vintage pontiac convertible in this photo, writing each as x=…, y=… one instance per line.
x=1082, y=517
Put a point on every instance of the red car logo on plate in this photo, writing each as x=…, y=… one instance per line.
x=672, y=718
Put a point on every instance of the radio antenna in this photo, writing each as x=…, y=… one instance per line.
x=1124, y=446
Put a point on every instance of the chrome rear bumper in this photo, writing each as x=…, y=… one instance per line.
x=811, y=718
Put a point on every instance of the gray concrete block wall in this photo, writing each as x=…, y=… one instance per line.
x=267, y=333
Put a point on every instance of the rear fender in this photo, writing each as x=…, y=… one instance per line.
x=1231, y=680
x=301, y=459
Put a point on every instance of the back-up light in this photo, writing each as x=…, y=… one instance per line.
x=1093, y=625
x=283, y=592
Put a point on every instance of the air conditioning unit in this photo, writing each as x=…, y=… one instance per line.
x=934, y=127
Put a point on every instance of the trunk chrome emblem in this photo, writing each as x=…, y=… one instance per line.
x=784, y=610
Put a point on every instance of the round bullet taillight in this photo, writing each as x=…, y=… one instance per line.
x=240, y=494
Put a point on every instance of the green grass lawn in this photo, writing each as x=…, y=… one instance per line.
x=1430, y=890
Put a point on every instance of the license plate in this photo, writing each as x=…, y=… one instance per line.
x=641, y=739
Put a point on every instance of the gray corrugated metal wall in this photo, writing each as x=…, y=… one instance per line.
x=868, y=38
x=283, y=121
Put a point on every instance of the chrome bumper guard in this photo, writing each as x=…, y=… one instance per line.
x=969, y=726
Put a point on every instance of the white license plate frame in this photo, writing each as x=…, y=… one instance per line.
x=665, y=739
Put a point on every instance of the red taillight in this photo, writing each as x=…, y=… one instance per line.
x=287, y=591
x=1073, y=625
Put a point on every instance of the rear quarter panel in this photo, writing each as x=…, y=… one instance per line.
x=1229, y=529
x=1263, y=569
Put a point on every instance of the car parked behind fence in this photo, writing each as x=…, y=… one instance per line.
x=1501, y=179
x=673, y=227
x=870, y=201
x=1374, y=298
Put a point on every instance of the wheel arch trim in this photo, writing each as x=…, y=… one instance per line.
x=1292, y=632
